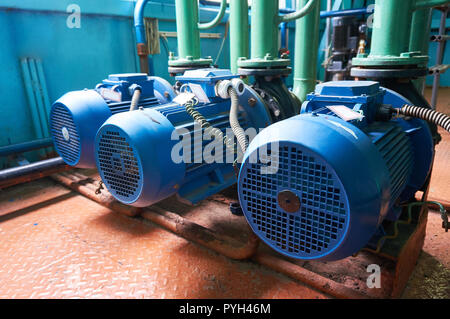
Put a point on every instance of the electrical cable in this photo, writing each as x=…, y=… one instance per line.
x=429, y=115
x=165, y=43
x=238, y=131
x=223, y=43
x=442, y=210
x=234, y=121
x=204, y=124
x=135, y=98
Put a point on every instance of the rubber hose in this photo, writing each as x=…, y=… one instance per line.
x=429, y=115
x=234, y=120
x=135, y=99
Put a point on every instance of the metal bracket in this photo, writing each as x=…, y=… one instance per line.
x=439, y=38
x=438, y=69
x=171, y=34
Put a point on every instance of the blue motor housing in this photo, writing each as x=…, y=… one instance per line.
x=136, y=151
x=317, y=186
x=76, y=116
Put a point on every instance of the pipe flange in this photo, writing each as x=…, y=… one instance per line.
x=388, y=73
x=173, y=71
x=265, y=71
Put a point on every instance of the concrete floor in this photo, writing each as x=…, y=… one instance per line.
x=443, y=101
x=58, y=244
x=431, y=278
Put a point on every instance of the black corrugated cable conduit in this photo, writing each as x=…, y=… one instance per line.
x=429, y=115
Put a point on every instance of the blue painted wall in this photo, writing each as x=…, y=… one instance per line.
x=80, y=58
x=445, y=78
x=75, y=58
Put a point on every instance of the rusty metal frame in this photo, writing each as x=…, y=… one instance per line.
x=232, y=248
x=183, y=227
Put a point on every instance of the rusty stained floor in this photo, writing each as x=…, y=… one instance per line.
x=440, y=182
x=58, y=244
x=71, y=247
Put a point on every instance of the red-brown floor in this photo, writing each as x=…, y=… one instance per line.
x=58, y=244
x=71, y=247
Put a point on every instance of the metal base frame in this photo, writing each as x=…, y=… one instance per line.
x=342, y=279
x=158, y=214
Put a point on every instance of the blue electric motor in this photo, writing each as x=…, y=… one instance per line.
x=319, y=185
x=138, y=153
x=76, y=116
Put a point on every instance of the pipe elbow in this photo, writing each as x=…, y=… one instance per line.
x=139, y=21
x=299, y=13
x=216, y=20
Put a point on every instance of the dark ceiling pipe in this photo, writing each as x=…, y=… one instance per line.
x=26, y=173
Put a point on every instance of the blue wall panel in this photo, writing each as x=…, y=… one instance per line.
x=71, y=58
x=74, y=59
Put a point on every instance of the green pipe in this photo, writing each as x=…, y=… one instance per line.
x=419, y=39
x=306, y=50
x=305, y=9
x=265, y=21
x=420, y=31
x=264, y=33
x=238, y=32
x=217, y=19
x=391, y=29
x=391, y=34
x=264, y=29
x=188, y=33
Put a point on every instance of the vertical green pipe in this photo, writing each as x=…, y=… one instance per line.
x=306, y=50
x=420, y=38
x=264, y=29
x=238, y=32
x=420, y=31
x=391, y=28
x=188, y=34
